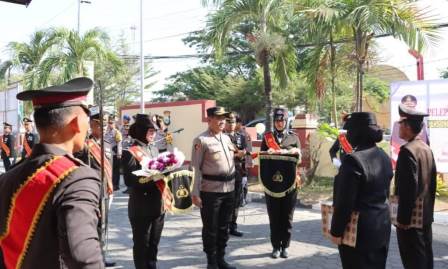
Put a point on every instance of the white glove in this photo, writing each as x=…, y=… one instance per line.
x=336, y=162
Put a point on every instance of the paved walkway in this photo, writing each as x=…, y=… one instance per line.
x=181, y=245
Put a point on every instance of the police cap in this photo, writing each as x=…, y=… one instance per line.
x=231, y=118
x=217, y=111
x=27, y=120
x=280, y=113
x=360, y=119
x=411, y=113
x=95, y=113
x=144, y=121
x=71, y=93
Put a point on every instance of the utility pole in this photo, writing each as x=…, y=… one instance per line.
x=142, y=65
x=79, y=12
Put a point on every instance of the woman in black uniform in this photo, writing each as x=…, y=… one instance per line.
x=362, y=185
x=145, y=208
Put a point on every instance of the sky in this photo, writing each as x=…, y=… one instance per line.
x=166, y=22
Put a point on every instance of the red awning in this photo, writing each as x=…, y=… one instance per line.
x=20, y=2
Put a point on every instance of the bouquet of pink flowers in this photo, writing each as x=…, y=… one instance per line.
x=164, y=163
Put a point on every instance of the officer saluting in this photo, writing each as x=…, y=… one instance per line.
x=29, y=138
x=7, y=145
x=214, y=184
x=49, y=202
x=91, y=155
x=415, y=178
x=281, y=209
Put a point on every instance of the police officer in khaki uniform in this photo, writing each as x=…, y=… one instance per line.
x=58, y=192
x=214, y=184
x=114, y=137
x=415, y=177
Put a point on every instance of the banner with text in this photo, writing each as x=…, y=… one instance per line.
x=425, y=95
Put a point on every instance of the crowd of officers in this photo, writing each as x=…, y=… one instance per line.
x=72, y=199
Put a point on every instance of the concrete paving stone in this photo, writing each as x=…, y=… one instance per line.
x=181, y=243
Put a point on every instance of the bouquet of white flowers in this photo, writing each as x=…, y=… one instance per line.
x=164, y=163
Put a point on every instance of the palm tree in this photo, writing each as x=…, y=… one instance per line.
x=27, y=57
x=269, y=19
x=75, y=51
x=324, y=22
x=401, y=18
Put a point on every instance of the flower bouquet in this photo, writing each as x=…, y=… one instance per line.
x=162, y=164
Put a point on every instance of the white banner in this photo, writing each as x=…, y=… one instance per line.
x=425, y=95
x=9, y=107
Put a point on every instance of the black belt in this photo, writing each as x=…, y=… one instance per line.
x=219, y=177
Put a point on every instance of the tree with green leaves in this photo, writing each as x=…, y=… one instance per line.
x=269, y=43
x=75, y=51
x=401, y=18
x=324, y=24
x=27, y=57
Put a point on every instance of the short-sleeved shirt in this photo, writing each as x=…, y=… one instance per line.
x=212, y=154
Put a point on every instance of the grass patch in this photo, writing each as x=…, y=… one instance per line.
x=320, y=189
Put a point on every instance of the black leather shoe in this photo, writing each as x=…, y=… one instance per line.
x=109, y=264
x=275, y=253
x=126, y=191
x=222, y=264
x=284, y=253
x=236, y=233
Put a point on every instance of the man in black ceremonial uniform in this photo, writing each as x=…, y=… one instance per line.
x=7, y=145
x=29, y=138
x=49, y=202
x=281, y=209
x=91, y=155
x=239, y=140
x=415, y=178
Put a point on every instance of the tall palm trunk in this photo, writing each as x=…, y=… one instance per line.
x=333, y=77
x=267, y=88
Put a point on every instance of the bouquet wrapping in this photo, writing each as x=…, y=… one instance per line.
x=162, y=164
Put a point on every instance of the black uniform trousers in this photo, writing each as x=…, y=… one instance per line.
x=116, y=172
x=6, y=163
x=352, y=258
x=281, y=212
x=238, y=200
x=415, y=247
x=146, y=233
x=216, y=213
